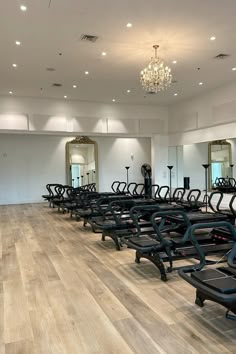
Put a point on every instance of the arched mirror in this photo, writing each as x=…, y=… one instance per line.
x=220, y=160
x=81, y=162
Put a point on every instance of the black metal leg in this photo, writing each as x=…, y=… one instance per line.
x=155, y=259
x=116, y=241
x=113, y=237
x=199, y=299
x=137, y=257
x=229, y=316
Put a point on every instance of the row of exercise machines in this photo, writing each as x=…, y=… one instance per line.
x=163, y=227
x=225, y=184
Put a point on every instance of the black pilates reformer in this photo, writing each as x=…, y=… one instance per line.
x=217, y=284
x=160, y=247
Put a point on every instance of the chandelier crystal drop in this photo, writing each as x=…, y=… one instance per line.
x=155, y=76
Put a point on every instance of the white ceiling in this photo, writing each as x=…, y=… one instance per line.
x=182, y=28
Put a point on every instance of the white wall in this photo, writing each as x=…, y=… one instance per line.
x=175, y=159
x=208, y=117
x=29, y=162
x=187, y=161
x=193, y=157
x=67, y=116
x=116, y=153
x=233, y=149
x=160, y=160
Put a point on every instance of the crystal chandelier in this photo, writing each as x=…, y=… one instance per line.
x=155, y=76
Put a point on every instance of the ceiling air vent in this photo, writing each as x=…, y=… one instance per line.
x=88, y=38
x=57, y=85
x=221, y=56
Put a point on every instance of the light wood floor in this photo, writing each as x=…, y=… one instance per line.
x=65, y=291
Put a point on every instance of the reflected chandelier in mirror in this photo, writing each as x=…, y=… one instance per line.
x=81, y=162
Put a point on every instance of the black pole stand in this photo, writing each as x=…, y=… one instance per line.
x=232, y=172
x=127, y=168
x=94, y=175
x=82, y=179
x=78, y=180
x=73, y=182
x=206, y=165
x=88, y=176
x=170, y=168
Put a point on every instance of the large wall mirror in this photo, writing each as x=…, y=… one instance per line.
x=81, y=162
x=220, y=159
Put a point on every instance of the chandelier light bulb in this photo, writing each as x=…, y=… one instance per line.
x=156, y=76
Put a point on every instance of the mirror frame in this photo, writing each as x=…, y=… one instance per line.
x=217, y=142
x=77, y=141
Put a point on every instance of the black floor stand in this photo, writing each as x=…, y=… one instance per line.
x=127, y=169
x=170, y=168
x=206, y=166
x=232, y=171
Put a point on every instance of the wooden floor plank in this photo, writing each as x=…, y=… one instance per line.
x=102, y=295
x=44, y=266
x=89, y=315
x=47, y=337
x=26, y=262
x=16, y=317
x=20, y=347
x=63, y=290
x=137, y=338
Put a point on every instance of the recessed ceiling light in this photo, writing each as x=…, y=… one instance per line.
x=10, y=92
x=213, y=38
x=86, y=72
x=113, y=100
x=200, y=83
x=14, y=65
x=174, y=61
x=65, y=96
x=18, y=43
x=175, y=94
x=128, y=91
x=233, y=69
x=129, y=25
x=104, y=54
x=23, y=8
x=74, y=86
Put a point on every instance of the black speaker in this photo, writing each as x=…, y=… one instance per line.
x=186, y=182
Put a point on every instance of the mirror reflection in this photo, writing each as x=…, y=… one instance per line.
x=220, y=160
x=81, y=162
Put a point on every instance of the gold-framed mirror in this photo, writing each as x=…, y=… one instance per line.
x=81, y=162
x=220, y=160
